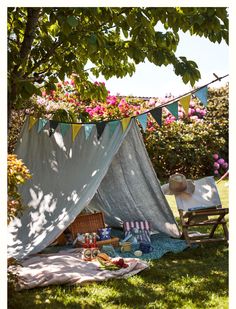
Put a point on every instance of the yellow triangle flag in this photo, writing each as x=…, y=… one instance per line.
x=32, y=121
x=125, y=122
x=185, y=101
x=75, y=130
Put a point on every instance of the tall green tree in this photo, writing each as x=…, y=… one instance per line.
x=46, y=43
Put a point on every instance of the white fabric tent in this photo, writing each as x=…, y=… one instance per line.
x=113, y=174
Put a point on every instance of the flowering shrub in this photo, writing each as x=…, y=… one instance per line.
x=17, y=174
x=183, y=148
x=220, y=165
x=186, y=145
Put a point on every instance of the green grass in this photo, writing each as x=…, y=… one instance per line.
x=195, y=278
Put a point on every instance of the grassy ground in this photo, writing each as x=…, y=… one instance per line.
x=195, y=278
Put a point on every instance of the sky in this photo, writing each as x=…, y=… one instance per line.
x=152, y=81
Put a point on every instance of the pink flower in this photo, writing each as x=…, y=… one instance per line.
x=194, y=117
x=151, y=102
x=180, y=114
x=111, y=100
x=215, y=156
x=225, y=165
x=216, y=172
x=203, y=112
x=221, y=161
x=216, y=165
x=192, y=104
x=44, y=93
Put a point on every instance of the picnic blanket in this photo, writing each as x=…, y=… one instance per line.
x=67, y=267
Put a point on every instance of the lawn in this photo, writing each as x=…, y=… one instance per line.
x=195, y=278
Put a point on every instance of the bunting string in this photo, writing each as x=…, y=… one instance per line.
x=156, y=112
x=188, y=93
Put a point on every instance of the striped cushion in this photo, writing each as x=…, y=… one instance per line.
x=140, y=230
x=141, y=225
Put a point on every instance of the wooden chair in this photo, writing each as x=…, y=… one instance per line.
x=202, y=209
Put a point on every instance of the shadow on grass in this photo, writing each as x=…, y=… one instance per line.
x=195, y=278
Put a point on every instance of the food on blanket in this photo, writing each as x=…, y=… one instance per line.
x=112, y=264
x=104, y=256
x=121, y=263
x=108, y=265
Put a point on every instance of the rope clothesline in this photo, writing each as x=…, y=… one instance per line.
x=187, y=93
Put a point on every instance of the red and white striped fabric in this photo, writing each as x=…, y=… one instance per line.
x=139, y=231
x=141, y=225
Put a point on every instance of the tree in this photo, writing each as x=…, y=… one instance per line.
x=47, y=43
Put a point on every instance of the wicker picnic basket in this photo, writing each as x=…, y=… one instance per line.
x=90, y=223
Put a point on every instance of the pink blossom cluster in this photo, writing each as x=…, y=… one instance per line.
x=114, y=107
x=97, y=110
x=219, y=164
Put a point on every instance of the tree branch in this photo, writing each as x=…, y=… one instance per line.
x=31, y=25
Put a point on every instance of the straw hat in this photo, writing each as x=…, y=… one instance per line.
x=178, y=184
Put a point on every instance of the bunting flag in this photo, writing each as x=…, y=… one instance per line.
x=157, y=115
x=64, y=128
x=201, y=94
x=88, y=128
x=173, y=108
x=52, y=127
x=75, y=130
x=32, y=121
x=112, y=126
x=125, y=122
x=185, y=101
x=100, y=128
x=143, y=121
x=42, y=123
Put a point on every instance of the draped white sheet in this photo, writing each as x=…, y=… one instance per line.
x=66, y=176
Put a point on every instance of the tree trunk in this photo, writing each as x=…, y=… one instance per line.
x=29, y=34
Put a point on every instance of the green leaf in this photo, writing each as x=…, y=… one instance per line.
x=72, y=21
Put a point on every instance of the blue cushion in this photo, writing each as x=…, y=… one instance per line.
x=104, y=233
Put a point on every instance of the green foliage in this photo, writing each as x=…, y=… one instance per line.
x=47, y=43
x=17, y=174
x=183, y=148
x=218, y=115
x=187, y=147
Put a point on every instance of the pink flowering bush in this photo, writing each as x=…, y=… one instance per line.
x=190, y=145
x=220, y=165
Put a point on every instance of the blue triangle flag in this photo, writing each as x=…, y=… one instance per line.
x=41, y=124
x=173, y=108
x=112, y=126
x=64, y=128
x=143, y=121
x=157, y=115
x=201, y=94
x=88, y=128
